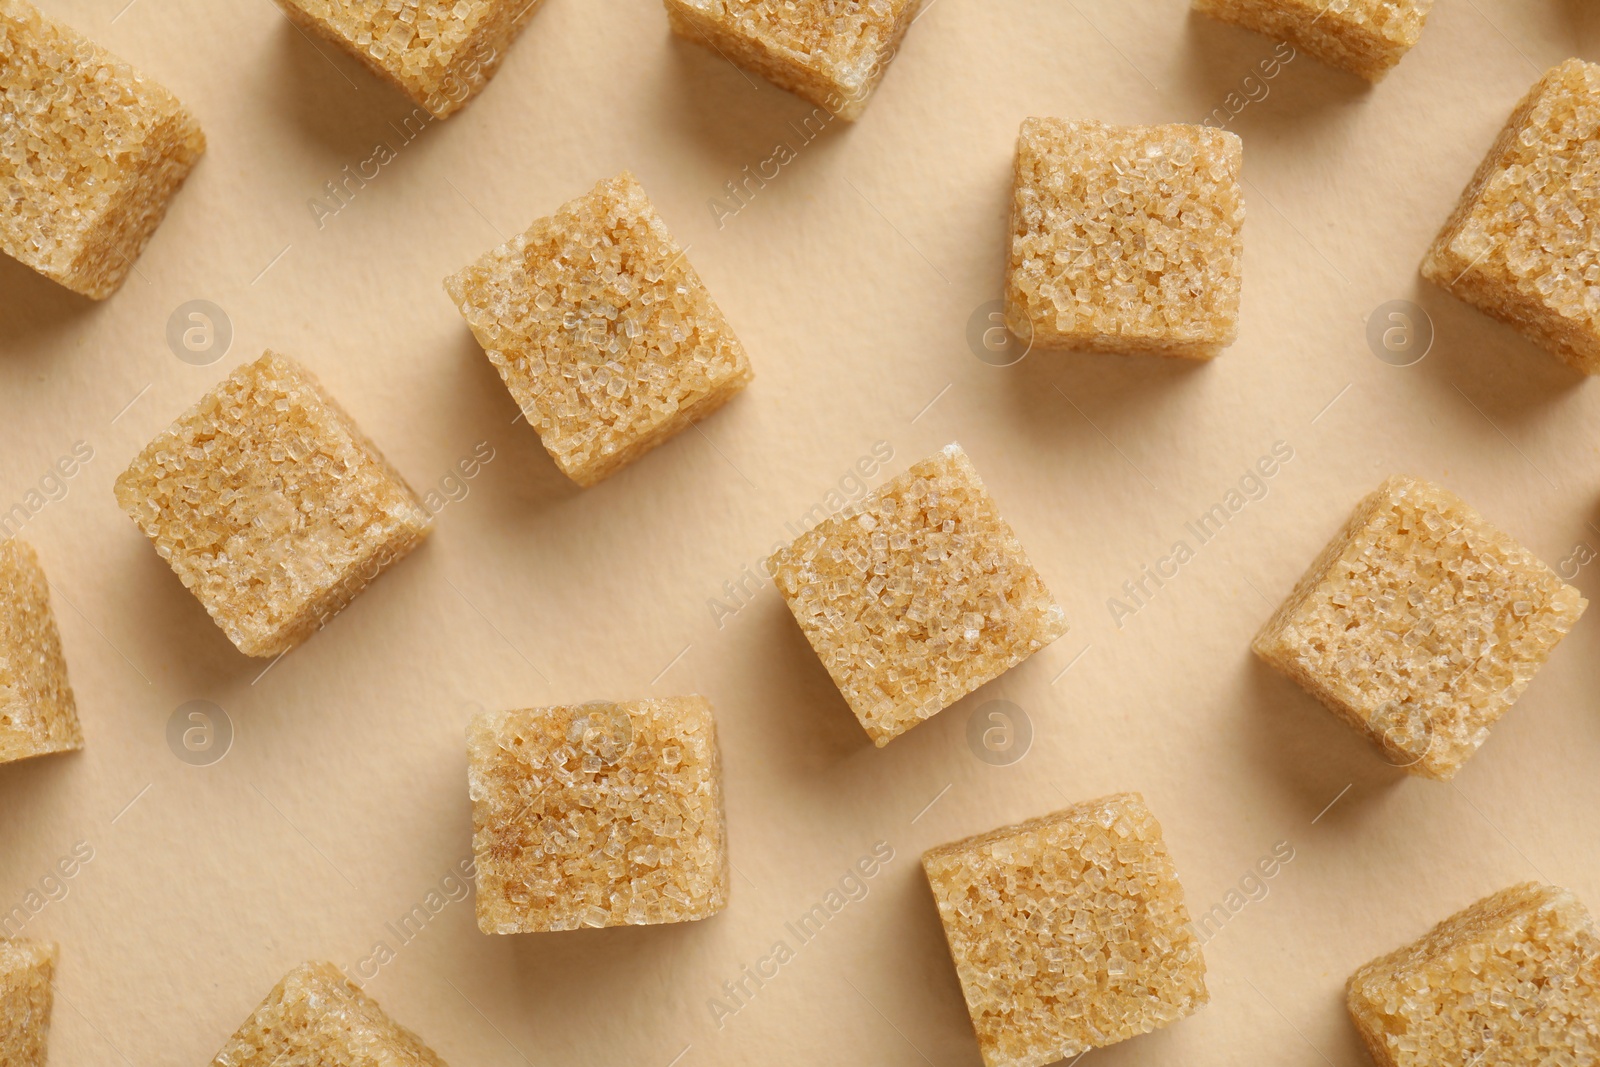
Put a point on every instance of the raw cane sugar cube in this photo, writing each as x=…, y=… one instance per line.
x=271, y=506
x=1068, y=932
x=90, y=153
x=598, y=814
x=1513, y=979
x=1420, y=625
x=917, y=595
x=38, y=714
x=27, y=971
x=602, y=331
x=832, y=53
x=1521, y=245
x=1365, y=37
x=318, y=1016
x=1126, y=238
x=440, y=53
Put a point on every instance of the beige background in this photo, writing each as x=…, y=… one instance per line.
x=851, y=279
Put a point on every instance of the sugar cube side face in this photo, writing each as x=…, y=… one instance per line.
x=270, y=505
x=27, y=974
x=830, y=54
x=1519, y=245
x=601, y=330
x=1514, y=978
x=317, y=1015
x=1365, y=37
x=1068, y=932
x=91, y=153
x=917, y=595
x=38, y=714
x=440, y=53
x=1126, y=238
x=597, y=814
x=1420, y=625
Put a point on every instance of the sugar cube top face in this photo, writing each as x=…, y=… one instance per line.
x=830, y=52
x=440, y=53
x=917, y=595
x=27, y=971
x=1420, y=624
x=318, y=1016
x=602, y=330
x=1522, y=244
x=38, y=714
x=271, y=506
x=1068, y=932
x=597, y=815
x=1364, y=37
x=1513, y=979
x=90, y=153
x=1126, y=238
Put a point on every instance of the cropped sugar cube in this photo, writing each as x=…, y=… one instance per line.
x=830, y=53
x=1420, y=625
x=917, y=595
x=91, y=153
x=602, y=331
x=270, y=505
x=318, y=1016
x=1364, y=37
x=38, y=714
x=1513, y=979
x=1068, y=932
x=27, y=974
x=440, y=53
x=597, y=814
x=1126, y=238
x=1520, y=245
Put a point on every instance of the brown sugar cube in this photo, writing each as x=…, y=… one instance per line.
x=597, y=815
x=1521, y=244
x=440, y=53
x=917, y=595
x=27, y=969
x=1364, y=37
x=1068, y=932
x=1126, y=238
x=270, y=505
x=1420, y=624
x=1513, y=979
x=318, y=1016
x=603, y=332
x=90, y=153
x=38, y=714
x=830, y=53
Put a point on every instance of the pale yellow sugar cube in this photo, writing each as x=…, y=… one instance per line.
x=830, y=52
x=1420, y=624
x=91, y=152
x=917, y=595
x=1126, y=238
x=270, y=505
x=597, y=814
x=602, y=331
x=1513, y=979
x=38, y=714
x=1364, y=37
x=1068, y=932
x=440, y=53
x=316, y=1017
